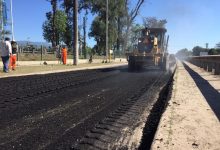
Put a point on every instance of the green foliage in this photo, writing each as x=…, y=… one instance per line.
x=68, y=35
x=85, y=4
x=68, y=8
x=53, y=33
x=197, y=49
x=153, y=22
x=60, y=22
x=121, y=17
x=98, y=32
x=59, y=26
x=68, y=5
x=135, y=32
x=213, y=51
x=47, y=28
x=98, y=27
x=90, y=51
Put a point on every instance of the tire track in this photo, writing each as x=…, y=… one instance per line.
x=108, y=133
x=107, y=105
x=29, y=91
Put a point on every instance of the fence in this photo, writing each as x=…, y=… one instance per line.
x=41, y=53
x=208, y=63
x=32, y=53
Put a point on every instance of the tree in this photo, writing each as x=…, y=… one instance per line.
x=68, y=6
x=135, y=34
x=98, y=26
x=55, y=25
x=121, y=17
x=197, y=49
x=121, y=25
x=52, y=16
x=97, y=31
x=84, y=35
x=130, y=15
x=214, y=51
x=153, y=22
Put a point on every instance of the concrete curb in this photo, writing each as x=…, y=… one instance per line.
x=68, y=70
x=69, y=62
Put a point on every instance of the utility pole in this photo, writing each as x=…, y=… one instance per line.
x=84, y=36
x=1, y=19
x=106, y=44
x=75, y=28
x=12, y=21
x=207, y=46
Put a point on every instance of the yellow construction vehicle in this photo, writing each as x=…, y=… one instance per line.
x=149, y=50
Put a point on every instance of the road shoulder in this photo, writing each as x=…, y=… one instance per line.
x=188, y=122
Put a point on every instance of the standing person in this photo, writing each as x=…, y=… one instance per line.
x=13, y=59
x=64, y=55
x=90, y=59
x=5, y=53
x=58, y=54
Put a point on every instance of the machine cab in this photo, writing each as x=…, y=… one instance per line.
x=151, y=38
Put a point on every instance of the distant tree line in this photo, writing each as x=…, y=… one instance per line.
x=184, y=53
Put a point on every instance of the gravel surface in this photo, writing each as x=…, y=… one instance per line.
x=77, y=110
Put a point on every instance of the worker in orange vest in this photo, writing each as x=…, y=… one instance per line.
x=13, y=57
x=64, y=55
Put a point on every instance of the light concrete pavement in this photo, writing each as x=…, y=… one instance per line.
x=192, y=117
x=69, y=62
x=55, y=68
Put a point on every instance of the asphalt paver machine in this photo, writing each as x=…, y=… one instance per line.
x=150, y=49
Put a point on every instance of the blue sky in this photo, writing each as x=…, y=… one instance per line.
x=190, y=22
x=28, y=18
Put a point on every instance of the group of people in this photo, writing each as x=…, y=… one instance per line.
x=8, y=51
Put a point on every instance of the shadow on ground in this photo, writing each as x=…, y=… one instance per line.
x=211, y=95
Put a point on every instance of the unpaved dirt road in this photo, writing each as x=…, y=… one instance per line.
x=76, y=110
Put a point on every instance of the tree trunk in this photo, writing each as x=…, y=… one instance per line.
x=75, y=26
x=128, y=26
x=84, y=36
x=54, y=7
x=119, y=36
